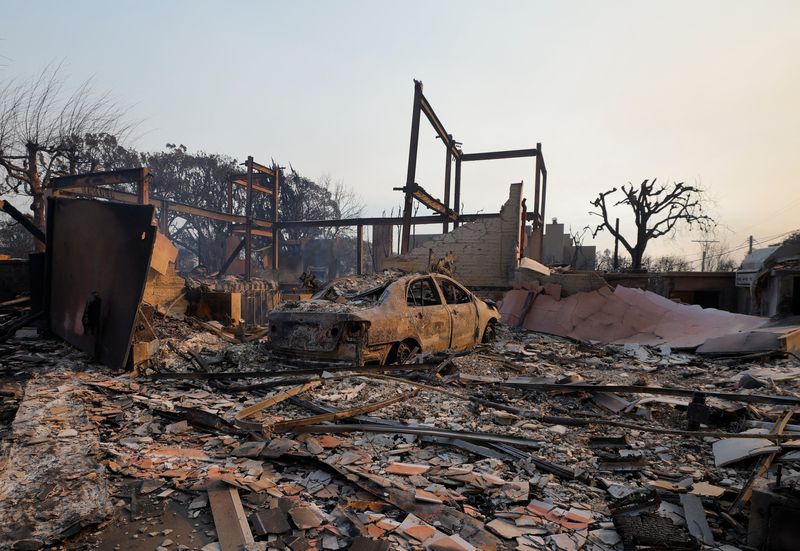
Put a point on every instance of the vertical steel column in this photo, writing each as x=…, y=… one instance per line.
x=143, y=189
x=523, y=219
x=544, y=204
x=164, y=218
x=537, y=182
x=448, y=162
x=538, y=217
x=412, y=168
x=276, y=232
x=457, y=191
x=248, y=236
x=544, y=190
x=360, y=249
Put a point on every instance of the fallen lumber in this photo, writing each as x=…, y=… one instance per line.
x=422, y=431
x=208, y=327
x=581, y=421
x=471, y=447
x=639, y=389
x=291, y=424
x=762, y=466
x=230, y=521
x=277, y=398
x=289, y=372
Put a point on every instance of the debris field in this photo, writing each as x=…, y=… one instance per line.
x=486, y=449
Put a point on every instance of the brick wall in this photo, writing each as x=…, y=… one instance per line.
x=486, y=251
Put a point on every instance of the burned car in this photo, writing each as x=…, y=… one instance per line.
x=382, y=318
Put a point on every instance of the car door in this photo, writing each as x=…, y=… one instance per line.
x=463, y=314
x=428, y=315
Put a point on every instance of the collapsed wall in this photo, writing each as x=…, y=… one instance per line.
x=486, y=251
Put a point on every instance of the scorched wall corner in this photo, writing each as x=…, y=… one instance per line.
x=486, y=251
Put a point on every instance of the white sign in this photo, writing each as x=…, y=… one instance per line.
x=744, y=279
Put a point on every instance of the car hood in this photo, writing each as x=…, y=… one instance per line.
x=320, y=306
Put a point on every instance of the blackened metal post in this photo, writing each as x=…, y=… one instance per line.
x=538, y=216
x=360, y=249
x=412, y=168
x=276, y=232
x=537, y=183
x=163, y=212
x=457, y=192
x=143, y=189
x=448, y=162
x=248, y=236
x=544, y=185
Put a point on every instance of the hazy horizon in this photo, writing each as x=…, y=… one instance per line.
x=616, y=92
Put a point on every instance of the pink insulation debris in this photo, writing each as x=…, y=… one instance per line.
x=622, y=316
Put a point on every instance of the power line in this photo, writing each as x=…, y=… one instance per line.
x=747, y=244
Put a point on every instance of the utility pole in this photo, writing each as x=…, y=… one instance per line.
x=616, y=245
x=704, y=245
x=750, y=248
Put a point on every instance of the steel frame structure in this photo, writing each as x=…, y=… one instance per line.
x=90, y=185
x=255, y=171
x=447, y=214
x=258, y=178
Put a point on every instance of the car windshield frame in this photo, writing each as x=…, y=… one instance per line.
x=440, y=280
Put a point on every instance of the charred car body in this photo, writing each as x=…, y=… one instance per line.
x=382, y=318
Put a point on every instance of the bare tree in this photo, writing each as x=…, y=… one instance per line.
x=577, y=238
x=657, y=211
x=349, y=204
x=605, y=262
x=42, y=126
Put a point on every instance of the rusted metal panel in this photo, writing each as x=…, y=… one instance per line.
x=98, y=255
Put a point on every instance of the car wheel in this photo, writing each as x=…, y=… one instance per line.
x=403, y=352
x=489, y=333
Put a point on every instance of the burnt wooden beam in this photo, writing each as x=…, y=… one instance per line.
x=231, y=258
x=360, y=249
x=230, y=520
x=126, y=176
x=276, y=236
x=126, y=197
x=408, y=200
x=256, y=187
x=664, y=391
x=262, y=169
x=26, y=222
x=490, y=155
x=387, y=221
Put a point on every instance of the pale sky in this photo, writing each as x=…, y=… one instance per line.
x=700, y=91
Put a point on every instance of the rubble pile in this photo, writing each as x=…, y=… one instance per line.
x=484, y=450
